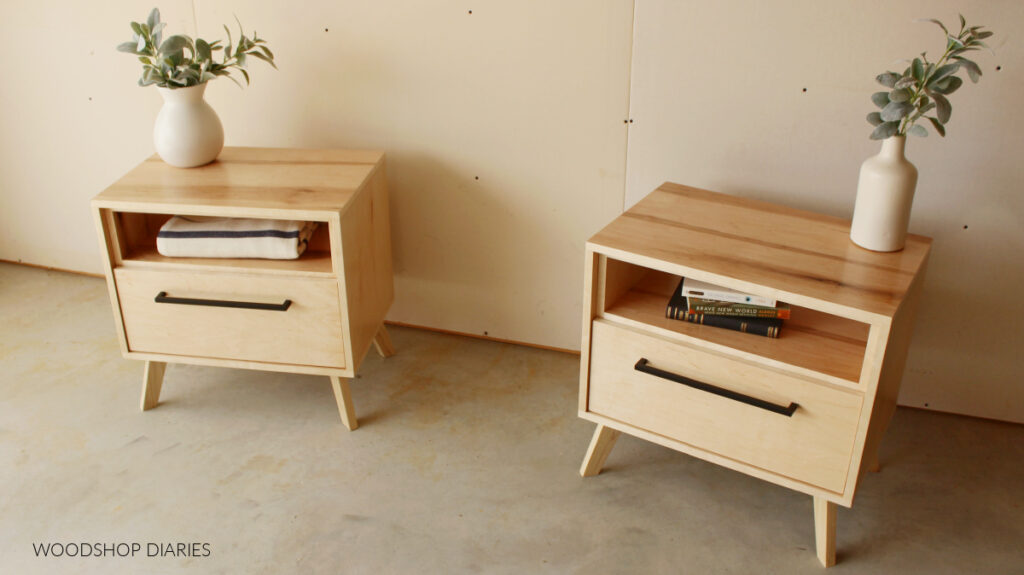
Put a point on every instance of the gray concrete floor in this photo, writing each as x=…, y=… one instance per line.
x=466, y=461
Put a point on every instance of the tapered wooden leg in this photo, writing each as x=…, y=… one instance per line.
x=344, y=398
x=382, y=341
x=873, y=464
x=152, y=380
x=600, y=446
x=825, y=530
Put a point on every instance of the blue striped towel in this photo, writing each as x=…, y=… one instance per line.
x=211, y=237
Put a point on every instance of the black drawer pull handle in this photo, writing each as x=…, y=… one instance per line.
x=644, y=366
x=162, y=297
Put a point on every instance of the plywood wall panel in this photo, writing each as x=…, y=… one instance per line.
x=72, y=120
x=768, y=100
x=503, y=130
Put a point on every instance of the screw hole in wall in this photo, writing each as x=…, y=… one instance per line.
x=998, y=68
x=805, y=89
x=327, y=30
x=965, y=227
x=470, y=11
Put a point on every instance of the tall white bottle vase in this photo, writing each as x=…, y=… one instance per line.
x=885, y=194
x=188, y=132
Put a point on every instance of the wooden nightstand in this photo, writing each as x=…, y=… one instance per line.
x=317, y=314
x=807, y=410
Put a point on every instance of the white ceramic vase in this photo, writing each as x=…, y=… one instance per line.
x=188, y=132
x=885, y=193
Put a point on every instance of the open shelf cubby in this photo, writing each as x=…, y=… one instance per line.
x=811, y=340
x=137, y=233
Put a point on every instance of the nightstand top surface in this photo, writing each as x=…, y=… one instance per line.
x=260, y=180
x=793, y=255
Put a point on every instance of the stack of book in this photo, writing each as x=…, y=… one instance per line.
x=699, y=302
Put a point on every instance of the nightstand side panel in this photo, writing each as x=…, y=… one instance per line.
x=367, y=278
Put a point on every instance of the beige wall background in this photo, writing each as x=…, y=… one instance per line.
x=503, y=124
x=768, y=99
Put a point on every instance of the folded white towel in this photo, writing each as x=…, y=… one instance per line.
x=208, y=237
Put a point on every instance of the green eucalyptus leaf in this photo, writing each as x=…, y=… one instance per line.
x=918, y=130
x=917, y=69
x=905, y=82
x=259, y=55
x=137, y=28
x=874, y=118
x=153, y=19
x=140, y=46
x=245, y=75
x=943, y=72
x=983, y=35
x=938, y=126
x=240, y=59
x=973, y=70
x=947, y=86
x=896, y=111
x=227, y=50
x=881, y=99
x=936, y=22
x=926, y=108
x=942, y=108
x=174, y=44
x=202, y=50
x=963, y=23
x=901, y=95
x=887, y=79
x=244, y=44
x=885, y=130
x=267, y=52
x=130, y=47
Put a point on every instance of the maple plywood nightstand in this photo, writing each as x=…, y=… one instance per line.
x=317, y=314
x=807, y=410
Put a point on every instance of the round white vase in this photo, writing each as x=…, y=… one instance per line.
x=885, y=193
x=188, y=132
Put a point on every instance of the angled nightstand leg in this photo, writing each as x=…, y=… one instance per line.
x=873, y=464
x=600, y=446
x=344, y=398
x=382, y=341
x=152, y=380
x=825, y=530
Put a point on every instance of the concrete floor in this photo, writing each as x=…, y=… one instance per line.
x=466, y=461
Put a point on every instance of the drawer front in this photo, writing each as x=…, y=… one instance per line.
x=308, y=332
x=814, y=445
